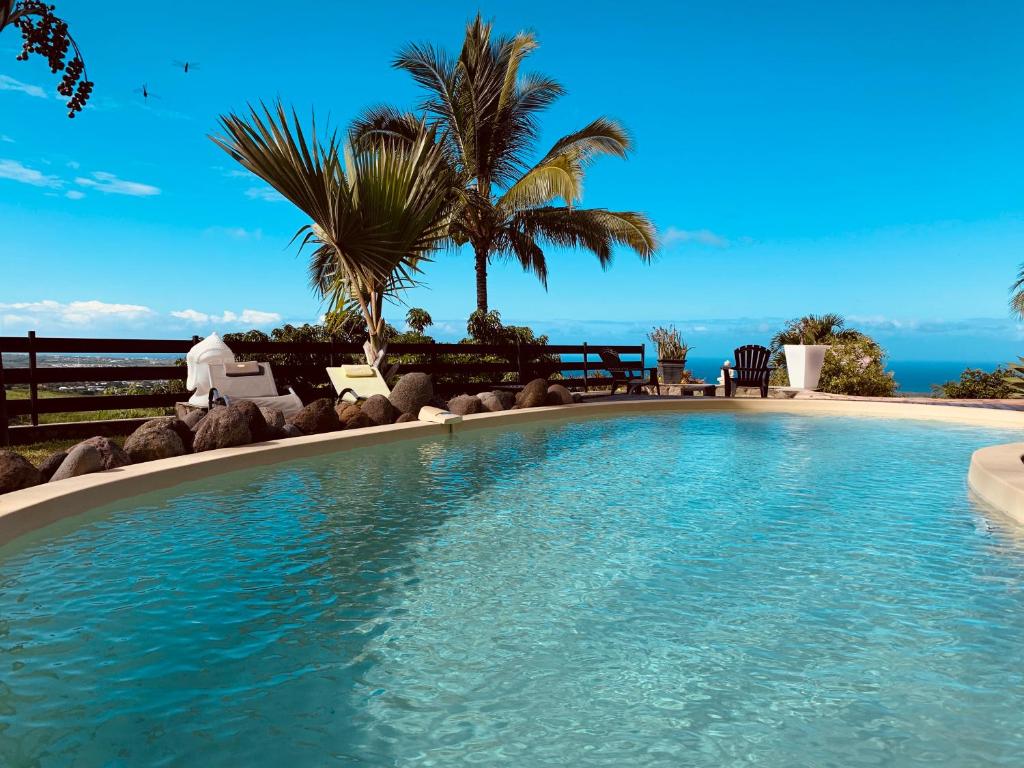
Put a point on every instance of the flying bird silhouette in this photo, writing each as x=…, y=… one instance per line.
x=186, y=66
x=146, y=93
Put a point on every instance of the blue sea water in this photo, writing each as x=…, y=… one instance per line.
x=708, y=590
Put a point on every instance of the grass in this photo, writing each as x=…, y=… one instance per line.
x=61, y=418
x=36, y=452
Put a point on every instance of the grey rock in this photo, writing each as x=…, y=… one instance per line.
x=16, y=472
x=533, y=395
x=154, y=441
x=498, y=400
x=50, y=464
x=83, y=459
x=317, y=417
x=380, y=410
x=412, y=392
x=112, y=454
x=359, y=421
x=559, y=395
x=464, y=405
x=272, y=416
x=253, y=417
x=290, y=430
x=405, y=418
x=193, y=419
x=222, y=428
x=176, y=425
x=577, y=397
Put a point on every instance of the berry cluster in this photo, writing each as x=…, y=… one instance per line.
x=47, y=35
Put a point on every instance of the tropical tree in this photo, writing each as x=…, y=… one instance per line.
x=45, y=34
x=1017, y=294
x=813, y=329
x=486, y=113
x=376, y=211
x=418, y=319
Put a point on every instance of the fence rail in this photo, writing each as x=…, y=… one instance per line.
x=454, y=367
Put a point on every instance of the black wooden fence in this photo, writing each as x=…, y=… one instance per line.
x=454, y=367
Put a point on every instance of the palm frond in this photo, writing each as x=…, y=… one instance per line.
x=1017, y=294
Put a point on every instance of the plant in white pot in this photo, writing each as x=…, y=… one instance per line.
x=672, y=351
x=803, y=343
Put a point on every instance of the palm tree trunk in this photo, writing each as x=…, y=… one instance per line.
x=481, y=279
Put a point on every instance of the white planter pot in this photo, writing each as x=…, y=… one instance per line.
x=803, y=362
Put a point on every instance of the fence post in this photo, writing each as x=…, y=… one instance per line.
x=586, y=369
x=33, y=387
x=5, y=437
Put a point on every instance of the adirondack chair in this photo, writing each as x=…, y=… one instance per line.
x=752, y=370
x=628, y=374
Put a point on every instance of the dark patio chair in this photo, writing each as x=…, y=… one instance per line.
x=752, y=369
x=628, y=374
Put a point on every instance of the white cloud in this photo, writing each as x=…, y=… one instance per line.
x=236, y=233
x=111, y=184
x=247, y=317
x=10, y=84
x=75, y=313
x=701, y=236
x=74, y=165
x=15, y=171
x=264, y=193
x=74, y=194
x=5, y=138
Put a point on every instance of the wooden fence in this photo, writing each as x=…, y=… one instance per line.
x=454, y=367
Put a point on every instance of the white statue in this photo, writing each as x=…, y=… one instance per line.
x=210, y=351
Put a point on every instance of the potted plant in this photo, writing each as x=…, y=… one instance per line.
x=804, y=342
x=672, y=352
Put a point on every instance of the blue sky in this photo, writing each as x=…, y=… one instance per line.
x=863, y=158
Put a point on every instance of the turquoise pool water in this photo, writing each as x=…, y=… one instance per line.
x=703, y=590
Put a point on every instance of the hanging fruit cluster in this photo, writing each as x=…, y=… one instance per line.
x=47, y=35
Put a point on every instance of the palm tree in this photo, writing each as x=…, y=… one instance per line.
x=1017, y=294
x=813, y=329
x=376, y=211
x=487, y=116
x=418, y=319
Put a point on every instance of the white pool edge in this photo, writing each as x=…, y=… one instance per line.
x=996, y=473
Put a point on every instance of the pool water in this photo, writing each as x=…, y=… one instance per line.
x=673, y=590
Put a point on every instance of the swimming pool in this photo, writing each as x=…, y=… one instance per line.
x=699, y=589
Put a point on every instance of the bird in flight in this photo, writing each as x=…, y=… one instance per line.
x=146, y=93
x=186, y=66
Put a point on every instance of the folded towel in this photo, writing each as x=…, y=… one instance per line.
x=358, y=371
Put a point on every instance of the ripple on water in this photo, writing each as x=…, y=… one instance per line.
x=702, y=590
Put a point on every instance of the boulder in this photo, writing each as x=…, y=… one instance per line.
x=253, y=417
x=193, y=418
x=83, y=459
x=290, y=430
x=16, y=472
x=577, y=397
x=176, y=425
x=464, y=405
x=155, y=440
x=319, y=416
x=405, y=418
x=359, y=420
x=222, y=428
x=559, y=395
x=345, y=411
x=380, y=410
x=50, y=464
x=272, y=416
x=112, y=454
x=533, y=395
x=498, y=400
x=412, y=392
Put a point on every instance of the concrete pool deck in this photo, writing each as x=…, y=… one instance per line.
x=996, y=473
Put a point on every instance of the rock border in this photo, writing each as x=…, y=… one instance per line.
x=32, y=508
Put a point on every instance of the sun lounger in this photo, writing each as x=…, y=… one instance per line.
x=253, y=381
x=358, y=382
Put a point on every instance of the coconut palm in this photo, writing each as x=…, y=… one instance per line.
x=376, y=211
x=418, y=319
x=487, y=115
x=1017, y=294
x=813, y=329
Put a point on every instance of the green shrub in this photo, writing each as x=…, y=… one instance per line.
x=855, y=366
x=975, y=384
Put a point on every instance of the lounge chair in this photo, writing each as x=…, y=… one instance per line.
x=751, y=369
x=628, y=374
x=253, y=381
x=358, y=382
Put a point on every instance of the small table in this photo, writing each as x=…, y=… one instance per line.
x=704, y=390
